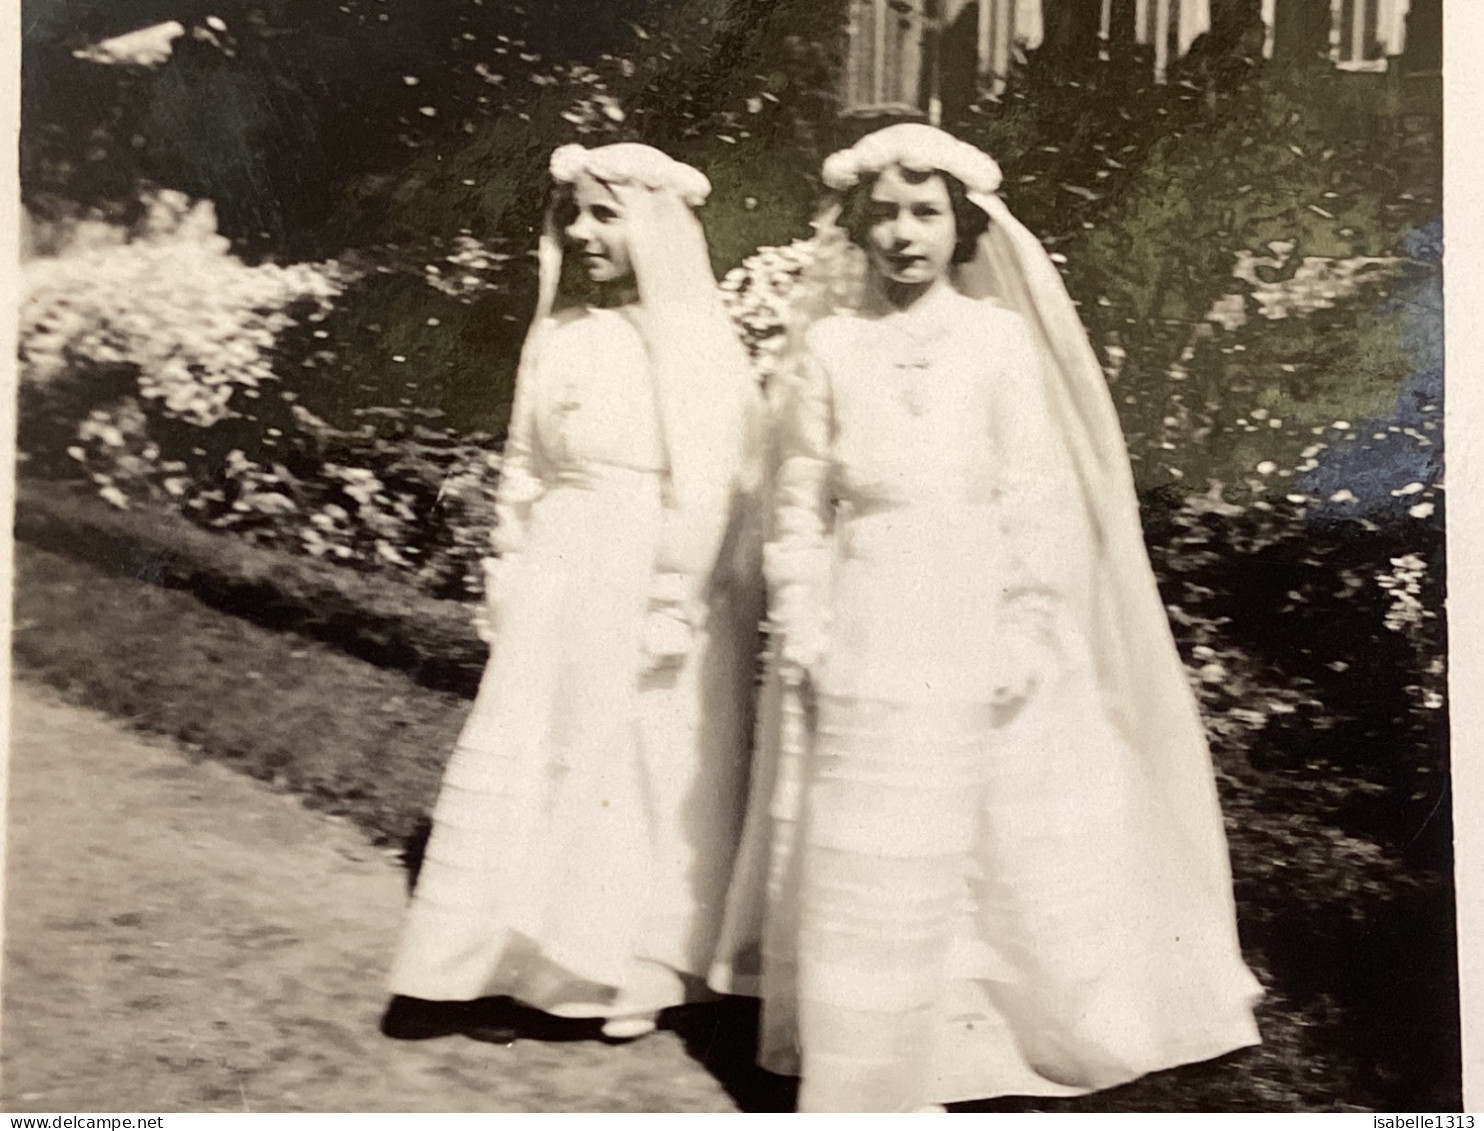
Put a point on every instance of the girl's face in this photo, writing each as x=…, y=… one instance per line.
x=912, y=231
x=598, y=231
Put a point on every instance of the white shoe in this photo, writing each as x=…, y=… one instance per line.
x=934, y=1107
x=631, y=1027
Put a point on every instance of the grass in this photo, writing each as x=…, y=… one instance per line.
x=352, y=739
x=365, y=615
x=1361, y=1008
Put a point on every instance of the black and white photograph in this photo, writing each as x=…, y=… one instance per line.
x=822, y=556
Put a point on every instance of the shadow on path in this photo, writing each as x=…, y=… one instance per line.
x=722, y=1038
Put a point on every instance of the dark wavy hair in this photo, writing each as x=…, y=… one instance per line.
x=970, y=221
x=561, y=203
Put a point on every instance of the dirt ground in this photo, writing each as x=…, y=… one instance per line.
x=180, y=938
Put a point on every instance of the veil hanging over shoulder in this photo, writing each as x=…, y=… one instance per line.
x=707, y=400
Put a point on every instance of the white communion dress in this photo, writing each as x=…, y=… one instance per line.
x=587, y=821
x=942, y=897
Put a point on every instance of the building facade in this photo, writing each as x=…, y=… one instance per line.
x=910, y=58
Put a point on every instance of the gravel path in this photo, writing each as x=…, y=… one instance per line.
x=180, y=938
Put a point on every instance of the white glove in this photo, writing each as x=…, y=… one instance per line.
x=487, y=612
x=1025, y=657
x=800, y=650
x=667, y=639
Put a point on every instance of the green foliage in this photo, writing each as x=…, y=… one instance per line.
x=382, y=620
x=1331, y=760
x=1217, y=233
x=1270, y=394
x=347, y=737
x=395, y=340
x=1151, y=193
x=743, y=91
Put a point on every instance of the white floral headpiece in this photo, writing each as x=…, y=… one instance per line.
x=631, y=163
x=911, y=145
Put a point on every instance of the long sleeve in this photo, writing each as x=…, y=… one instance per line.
x=798, y=558
x=692, y=534
x=520, y=485
x=521, y=482
x=709, y=421
x=690, y=537
x=1042, y=516
x=692, y=530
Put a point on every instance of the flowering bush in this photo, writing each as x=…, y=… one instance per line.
x=413, y=503
x=171, y=301
x=146, y=354
x=1317, y=282
x=142, y=339
x=766, y=290
x=470, y=268
x=117, y=447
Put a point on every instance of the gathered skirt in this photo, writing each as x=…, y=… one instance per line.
x=940, y=899
x=584, y=831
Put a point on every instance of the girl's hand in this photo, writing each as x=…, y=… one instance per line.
x=800, y=650
x=1014, y=689
x=667, y=640
x=793, y=674
x=487, y=612
x=1025, y=659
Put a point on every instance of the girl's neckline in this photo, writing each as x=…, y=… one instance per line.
x=876, y=301
x=928, y=317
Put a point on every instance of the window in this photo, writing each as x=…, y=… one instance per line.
x=1005, y=28
x=1364, y=32
x=1170, y=26
x=905, y=55
x=883, y=71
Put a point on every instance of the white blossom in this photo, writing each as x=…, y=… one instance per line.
x=195, y=322
x=146, y=47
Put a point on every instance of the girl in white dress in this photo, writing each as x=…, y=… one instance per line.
x=985, y=854
x=585, y=829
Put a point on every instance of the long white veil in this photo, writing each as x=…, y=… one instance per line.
x=706, y=396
